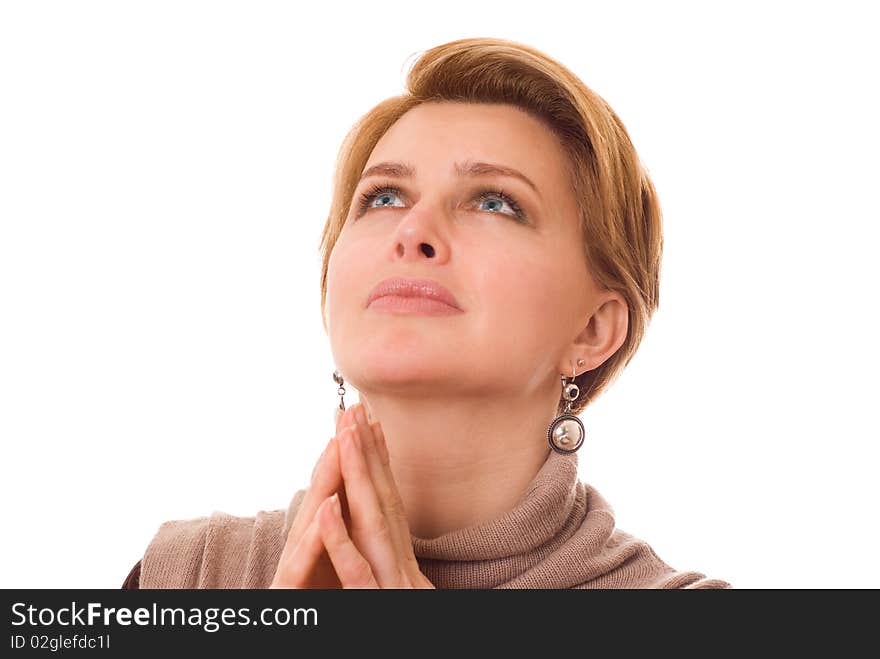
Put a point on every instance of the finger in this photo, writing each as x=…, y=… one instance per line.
x=353, y=570
x=369, y=527
x=294, y=570
x=395, y=510
x=318, y=461
x=326, y=479
x=378, y=463
x=344, y=419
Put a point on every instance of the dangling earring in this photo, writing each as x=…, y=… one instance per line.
x=566, y=433
x=337, y=378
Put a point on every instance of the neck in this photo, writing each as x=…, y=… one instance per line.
x=464, y=461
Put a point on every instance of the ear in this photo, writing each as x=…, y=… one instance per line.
x=604, y=332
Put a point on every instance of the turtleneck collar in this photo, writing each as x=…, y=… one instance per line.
x=490, y=553
x=560, y=534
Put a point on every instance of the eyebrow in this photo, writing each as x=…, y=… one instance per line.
x=467, y=168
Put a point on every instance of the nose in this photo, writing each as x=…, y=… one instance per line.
x=417, y=237
x=425, y=248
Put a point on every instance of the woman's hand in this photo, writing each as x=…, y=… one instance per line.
x=304, y=562
x=320, y=552
x=377, y=552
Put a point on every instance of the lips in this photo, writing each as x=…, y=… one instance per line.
x=402, y=287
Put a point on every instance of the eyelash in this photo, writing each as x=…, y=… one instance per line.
x=381, y=188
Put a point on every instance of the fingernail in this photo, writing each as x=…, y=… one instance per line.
x=334, y=504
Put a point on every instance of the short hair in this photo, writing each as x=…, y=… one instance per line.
x=620, y=217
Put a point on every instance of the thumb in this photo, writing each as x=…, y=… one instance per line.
x=343, y=418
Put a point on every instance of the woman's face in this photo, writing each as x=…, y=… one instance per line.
x=521, y=282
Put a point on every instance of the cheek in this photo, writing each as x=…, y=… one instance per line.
x=523, y=296
x=343, y=273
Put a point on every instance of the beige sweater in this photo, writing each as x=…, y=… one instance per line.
x=560, y=534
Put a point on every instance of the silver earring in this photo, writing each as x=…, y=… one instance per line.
x=337, y=378
x=566, y=433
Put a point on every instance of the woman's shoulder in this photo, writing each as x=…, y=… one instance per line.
x=615, y=558
x=670, y=577
x=639, y=566
x=219, y=550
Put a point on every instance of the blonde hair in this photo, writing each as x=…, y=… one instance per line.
x=620, y=216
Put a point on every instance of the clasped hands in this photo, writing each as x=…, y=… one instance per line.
x=351, y=530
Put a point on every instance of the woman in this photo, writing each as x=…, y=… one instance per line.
x=490, y=264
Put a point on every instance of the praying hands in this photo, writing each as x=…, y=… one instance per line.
x=362, y=542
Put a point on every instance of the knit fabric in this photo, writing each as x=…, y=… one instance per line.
x=560, y=534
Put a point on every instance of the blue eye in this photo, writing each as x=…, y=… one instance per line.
x=379, y=192
x=383, y=191
x=498, y=194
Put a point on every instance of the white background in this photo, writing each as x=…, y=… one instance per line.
x=165, y=173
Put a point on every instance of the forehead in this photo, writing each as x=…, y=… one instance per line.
x=437, y=134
